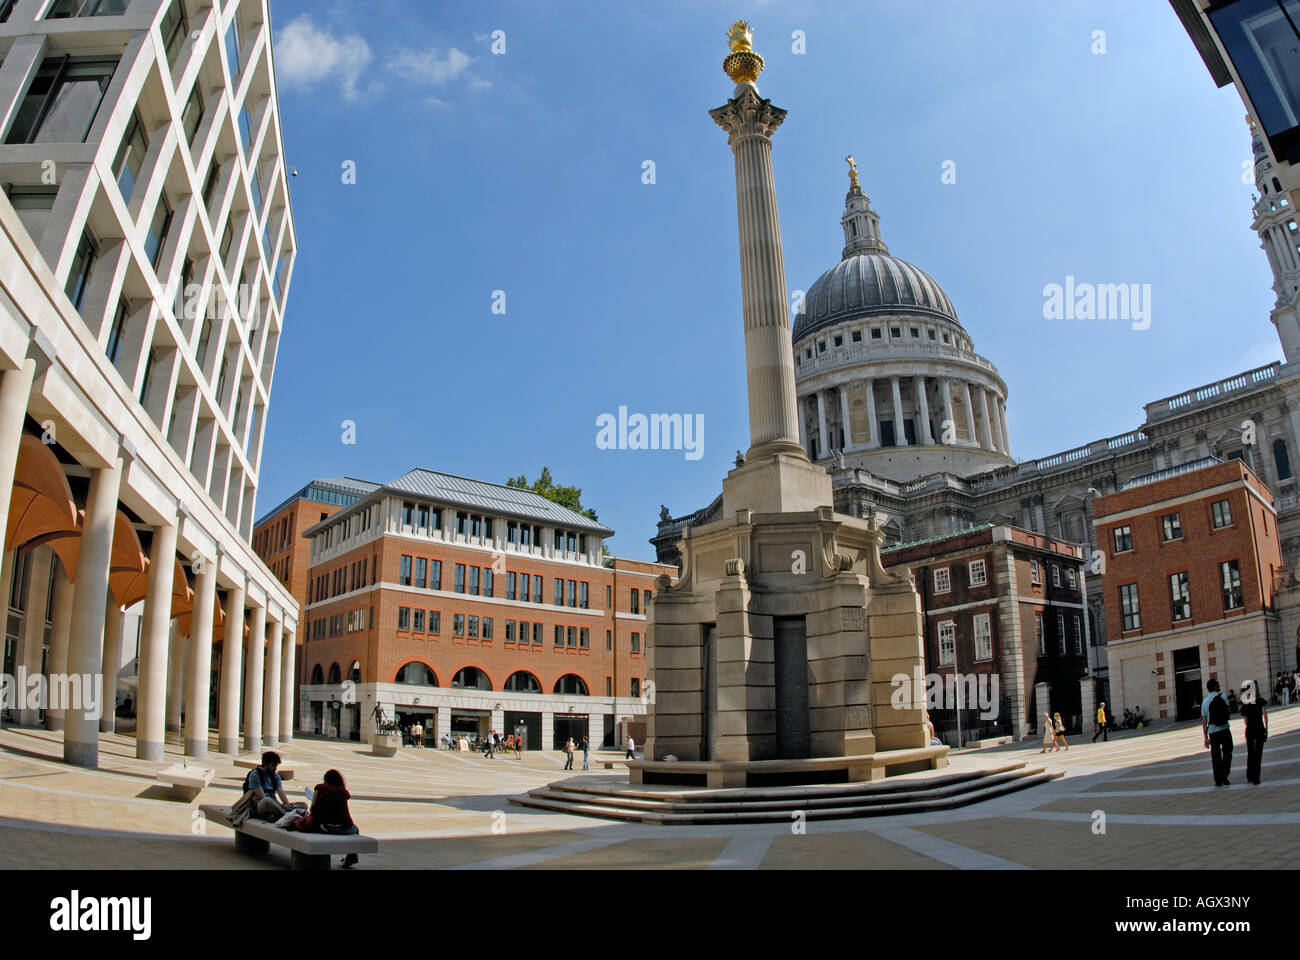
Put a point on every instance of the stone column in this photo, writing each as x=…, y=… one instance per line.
x=271, y=685
x=803, y=426
x=15, y=391
x=89, y=604
x=900, y=433
x=750, y=122
x=154, y=641
x=844, y=415
x=253, y=676
x=112, y=665
x=991, y=405
x=288, y=699
x=199, y=668
x=923, y=435
x=970, y=413
x=175, y=678
x=232, y=653
x=823, y=449
x=60, y=632
x=949, y=424
x=873, y=438
x=1002, y=419
x=987, y=439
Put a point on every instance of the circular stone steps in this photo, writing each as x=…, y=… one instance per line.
x=777, y=804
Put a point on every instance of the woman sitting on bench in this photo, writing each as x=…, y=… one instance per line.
x=329, y=812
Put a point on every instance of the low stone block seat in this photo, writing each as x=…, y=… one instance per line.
x=308, y=851
x=753, y=773
x=658, y=804
x=285, y=770
x=186, y=782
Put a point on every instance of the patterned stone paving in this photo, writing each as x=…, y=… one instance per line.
x=437, y=809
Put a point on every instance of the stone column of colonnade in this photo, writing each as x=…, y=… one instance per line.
x=1002, y=419
x=991, y=404
x=949, y=425
x=273, y=684
x=923, y=434
x=844, y=416
x=873, y=426
x=822, y=447
x=900, y=434
x=176, y=649
x=113, y=618
x=199, y=669
x=60, y=630
x=15, y=392
x=970, y=412
x=288, y=671
x=232, y=652
x=253, y=678
x=155, y=638
x=89, y=606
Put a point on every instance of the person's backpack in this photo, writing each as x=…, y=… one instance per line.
x=1218, y=712
x=248, y=781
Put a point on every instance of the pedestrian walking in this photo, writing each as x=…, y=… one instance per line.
x=1060, y=730
x=1256, y=717
x=1101, y=725
x=568, y=754
x=631, y=749
x=1217, y=733
x=586, y=753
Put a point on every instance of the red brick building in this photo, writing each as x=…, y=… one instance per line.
x=1004, y=616
x=1191, y=553
x=471, y=606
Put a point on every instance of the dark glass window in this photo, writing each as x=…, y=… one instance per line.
x=174, y=28
x=421, y=568
x=115, y=335
x=460, y=578
x=158, y=227
x=130, y=156
x=232, y=49
x=435, y=574
x=473, y=580
x=62, y=101
x=79, y=275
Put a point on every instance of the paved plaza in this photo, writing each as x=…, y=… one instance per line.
x=437, y=809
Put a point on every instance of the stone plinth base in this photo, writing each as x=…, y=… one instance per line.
x=385, y=744
x=815, y=770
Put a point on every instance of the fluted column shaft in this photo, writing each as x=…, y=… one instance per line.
x=991, y=407
x=923, y=435
x=232, y=655
x=844, y=417
x=949, y=425
x=253, y=678
x=970, y=412
x=271, y=687
x=89, y=603
x=900, y=433
x=822, y=447
x=769, y=356
x=873, y=425
x=986, y=440
x=288, y=671
x=155, y=639
x=1006, y=434
x=199, y=666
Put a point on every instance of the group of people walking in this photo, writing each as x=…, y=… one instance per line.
x=1053, y=733
x=1216, y=728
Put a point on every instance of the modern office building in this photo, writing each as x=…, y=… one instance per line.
x=471, y=606
x=1191, y=561
x=146, y=246
x=1003, y=610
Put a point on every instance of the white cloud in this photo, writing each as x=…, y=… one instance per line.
x=306, y=55
x=427, y=66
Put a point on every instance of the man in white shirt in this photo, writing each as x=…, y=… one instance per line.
x=631, y=749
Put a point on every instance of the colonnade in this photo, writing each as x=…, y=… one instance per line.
x=981, y=420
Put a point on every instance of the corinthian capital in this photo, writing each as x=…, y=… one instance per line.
x=748, y=115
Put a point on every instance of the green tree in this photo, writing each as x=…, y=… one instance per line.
x=545, y=486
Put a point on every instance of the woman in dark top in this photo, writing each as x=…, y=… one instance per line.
x=329, y=812
x=1256, y=717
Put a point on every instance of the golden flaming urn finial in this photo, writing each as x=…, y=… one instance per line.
x=853, y=169
x=743, y=65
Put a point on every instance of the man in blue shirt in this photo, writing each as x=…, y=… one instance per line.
x=265, y=783
x=1218, y=736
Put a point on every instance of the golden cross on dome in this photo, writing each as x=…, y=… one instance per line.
x=853, y=169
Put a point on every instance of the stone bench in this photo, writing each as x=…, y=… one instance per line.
x=307, y=851
x=285, y=771
x=186, y=782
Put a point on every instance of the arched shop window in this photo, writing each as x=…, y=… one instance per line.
x=571, y=685
x=416, y=673
x=523, y=682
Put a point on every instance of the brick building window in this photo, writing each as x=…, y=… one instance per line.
x=487, y=628
x=583, y=591
x=1060, y=634
x=636, y=687
x=404, y=578
x=1072, y=579
x=473, y=581
x=646, y=604
x=1056, y=575
x=1035, y=577
x=1078, y=636
x=947, y=643
x=510, y=631
x=489, y=582
x=417, y=621
x=460, y=578
x=609, y=599
x=1221, y=511
x=609, y=639
x=978, y=575
x=403, y=618
x=636, y=601
x=421, y=572
x=559, y=592
x=584, y=638
x=435, y=574
x=537, y=633
x=1171, y=524
x=636, y=643
x=1180, y=595
x=609, y=686
x=942, y=580
x=458, y=624
x=510, y=585
x=573, y=593
x=1040, y=633
x=1231, y=576
x=1128, y=599
x=435, y=621
x=1123, y=539
x=472, y=627
x=559, y=635
x=983, y=637
x=572, y=637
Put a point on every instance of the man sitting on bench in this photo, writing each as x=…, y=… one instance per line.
x=265, y=784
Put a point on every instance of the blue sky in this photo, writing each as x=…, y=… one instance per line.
x=522, y=173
